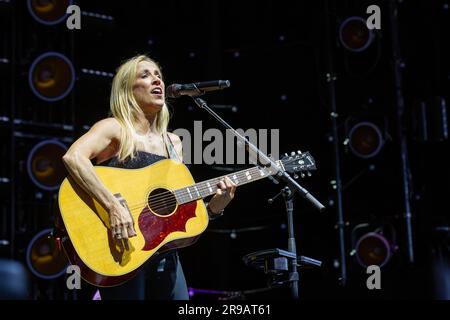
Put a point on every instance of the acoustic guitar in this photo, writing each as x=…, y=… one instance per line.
x=166, y=206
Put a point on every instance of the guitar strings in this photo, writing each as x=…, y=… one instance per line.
x=166, y=195
x=159, y=199
x=168, y=199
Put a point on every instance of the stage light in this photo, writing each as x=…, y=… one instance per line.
x=373, y=249
x=354, y=34
x=373, y=244
x=45, y=166
x=48, y=12
x=51, y=76
x=365, y=139
x=45, y=260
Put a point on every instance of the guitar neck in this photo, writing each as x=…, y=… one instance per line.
x=209, y=187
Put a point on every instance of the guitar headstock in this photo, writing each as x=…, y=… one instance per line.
x=298, y=162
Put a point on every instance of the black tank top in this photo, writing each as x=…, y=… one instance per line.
x=141, y=160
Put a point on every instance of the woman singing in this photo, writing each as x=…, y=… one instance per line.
x=134, y=137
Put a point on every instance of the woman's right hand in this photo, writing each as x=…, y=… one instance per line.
x=121, y=222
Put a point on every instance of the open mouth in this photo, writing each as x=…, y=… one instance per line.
x=157, y=91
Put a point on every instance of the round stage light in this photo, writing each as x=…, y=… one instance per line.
x=51, y=76
x=373, y=249
x=354, y=34
x=44, y=258
x=365, y=139
x=45, y=166
x=48, y=12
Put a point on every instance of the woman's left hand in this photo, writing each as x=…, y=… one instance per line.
x=223, y=196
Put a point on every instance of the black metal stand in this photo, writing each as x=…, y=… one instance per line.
x=288, y=194
x=330, y=77
x=397, y=66
x=293, y=274
x=262, y=159
x=277, y=264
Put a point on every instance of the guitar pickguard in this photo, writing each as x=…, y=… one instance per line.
x=156, y=228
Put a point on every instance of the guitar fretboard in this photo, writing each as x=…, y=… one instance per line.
x=209, y=187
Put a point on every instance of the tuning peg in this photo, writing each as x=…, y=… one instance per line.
x=302, y=175
x=295, y=176
x=285, y=154
x=308, y=173
x=299, y=152
x=292, y=153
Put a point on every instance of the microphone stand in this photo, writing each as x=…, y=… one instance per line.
x=293, y=276
x=281, y=175
x=288, y=192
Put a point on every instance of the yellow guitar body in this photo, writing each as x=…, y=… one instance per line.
x=86, y=222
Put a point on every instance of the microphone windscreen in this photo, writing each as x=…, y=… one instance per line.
x=173, y=91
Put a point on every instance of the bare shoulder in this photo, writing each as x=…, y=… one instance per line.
x=108, y=123
x=102, y=138
x=108, y=126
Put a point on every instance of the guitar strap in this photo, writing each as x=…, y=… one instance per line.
x=170, y=148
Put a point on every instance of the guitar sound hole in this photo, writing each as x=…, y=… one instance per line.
x=162, y=202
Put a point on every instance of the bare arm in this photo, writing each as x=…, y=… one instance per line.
x=77, y=161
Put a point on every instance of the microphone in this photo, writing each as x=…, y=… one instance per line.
x=195, y=89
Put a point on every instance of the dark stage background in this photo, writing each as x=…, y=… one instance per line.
x=288, y=68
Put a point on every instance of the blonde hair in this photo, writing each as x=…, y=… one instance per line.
x=126, y=110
